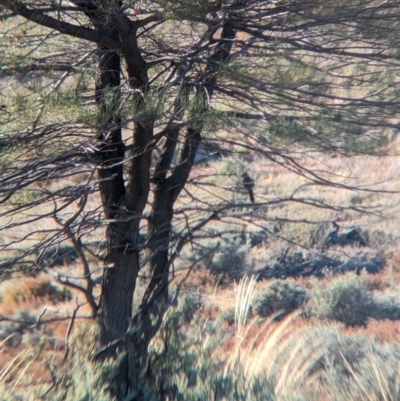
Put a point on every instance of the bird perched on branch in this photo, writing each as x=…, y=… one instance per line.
x=248, y=184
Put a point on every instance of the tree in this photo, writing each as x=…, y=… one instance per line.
x=276, y=79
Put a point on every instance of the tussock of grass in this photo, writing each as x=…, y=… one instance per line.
x=31, y=289
x=306, y=362
x=244, y=294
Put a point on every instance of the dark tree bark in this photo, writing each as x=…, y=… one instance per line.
x=166, y=192
x=122, y=259
x=124, y=203
x=123, y=198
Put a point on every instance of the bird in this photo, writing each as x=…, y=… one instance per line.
x=248, y=184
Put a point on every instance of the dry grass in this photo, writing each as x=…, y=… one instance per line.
x=294, y=354
x=33, y=291
x=305, y=361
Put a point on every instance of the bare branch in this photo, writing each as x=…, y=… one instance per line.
x=63, y=27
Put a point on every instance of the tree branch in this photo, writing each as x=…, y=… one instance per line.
x=91, y=35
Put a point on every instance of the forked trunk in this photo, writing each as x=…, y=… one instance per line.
x=122, y=263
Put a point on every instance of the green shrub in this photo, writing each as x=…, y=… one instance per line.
x=280, y=295
x=186, y=364
x=229, y=316
x=229, y=265
x=347, y=300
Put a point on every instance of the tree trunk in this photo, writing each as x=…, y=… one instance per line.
x=160, y=220
x=124, y=203
x=155, y=300
x=123, y=199
x=122, y=258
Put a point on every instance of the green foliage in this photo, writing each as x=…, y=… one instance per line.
x=69, y=101
x=26, y=196
x=347, y=300
x=223, y=255
x=318, y=134
x=89, y=381
x=229, y=265
x=294, y=79
x=185, y=9
x=280, y=296
x=82, y=379
x=229, y=316
x=186, y=365
x=145, y=108
x=350, y=300
x=227, y=170
x=379, y=239
x=366, y=145
x=198, y=111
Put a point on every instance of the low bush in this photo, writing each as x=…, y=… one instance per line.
x=280, y=295
x=229, y=266
x=347, y=299
x=229, y=316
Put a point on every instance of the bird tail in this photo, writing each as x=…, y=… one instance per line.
x=251, y=194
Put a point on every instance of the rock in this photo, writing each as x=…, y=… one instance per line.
x=352, y=236
x=207, y=152
x=294, y=265
x=255, y=238
x=371, y=267
x=349, y=237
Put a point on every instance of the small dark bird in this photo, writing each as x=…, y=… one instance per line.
x=248, y=184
